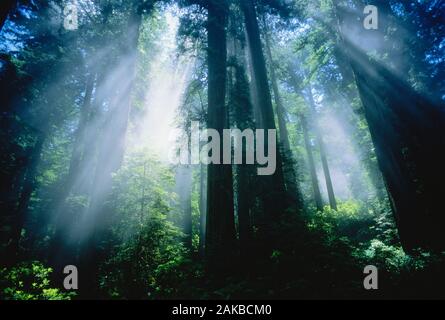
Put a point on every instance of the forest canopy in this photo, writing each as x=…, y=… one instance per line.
x=331, y=115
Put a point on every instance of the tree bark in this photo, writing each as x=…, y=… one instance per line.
x=220, y=224
x=407, y=131
x=288, y=162
x=184, y=183
x=311, y=163
x=323, y=156
x=243, y=119
x=259, y=124
x=273, y=190
x=202, y=209
x=27, y=190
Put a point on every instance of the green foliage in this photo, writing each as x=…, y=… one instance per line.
x=144, y=257
x=385, y=256
x=352, y=219
x=29, y=281
x=147, y=264
x=368, y=236
x=148, y=258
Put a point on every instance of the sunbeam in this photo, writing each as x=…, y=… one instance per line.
x=222, y=149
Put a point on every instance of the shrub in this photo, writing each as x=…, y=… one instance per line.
x=29, y=281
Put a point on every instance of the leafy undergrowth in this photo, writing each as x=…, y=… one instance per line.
x=29, y=281
x=319, y=259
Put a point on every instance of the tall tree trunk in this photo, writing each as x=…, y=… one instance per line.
x=243, y=119
x=407, y=131
x=202, y=208
x=321, y=146
x=327, y=173
x=288, y=161
x=273, y=190
x=26, y=193
x=311, y=163
x=259, y=123
x=220, y=224
x=184, y=184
